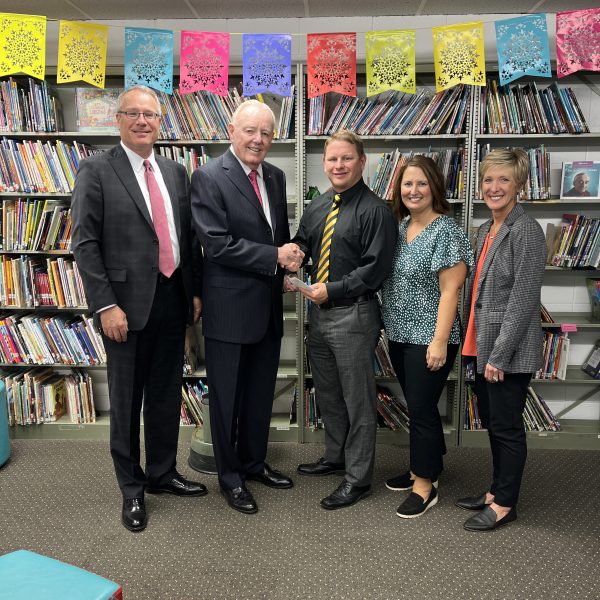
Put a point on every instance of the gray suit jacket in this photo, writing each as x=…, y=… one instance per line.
x=507, y=300
x=114, y=242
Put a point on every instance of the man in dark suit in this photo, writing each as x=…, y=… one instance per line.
x=132, y=244
x=239, y=211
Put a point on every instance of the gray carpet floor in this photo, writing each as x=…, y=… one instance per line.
x=60, y=498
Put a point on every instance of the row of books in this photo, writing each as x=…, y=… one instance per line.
x=47, y=340
x=538, y=186
x=42, y=395
x=392, y=113
x=36, y=166
x=575, y=242
x=192, y=394
x=35, y=224
x=537, y=416
x=205, y=116
x=522, y=108
x=28, y=105
x=312, y=414
x=450, y=161
x=392, y=411
x=591, y=365
x=27, y=282
x=556, y=356
x=190, y=158
x=381, y=360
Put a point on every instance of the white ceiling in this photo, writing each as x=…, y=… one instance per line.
x=77, y=10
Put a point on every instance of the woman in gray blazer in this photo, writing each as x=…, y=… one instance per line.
x=504, y=334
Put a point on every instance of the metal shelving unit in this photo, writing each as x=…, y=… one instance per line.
x=575, y=433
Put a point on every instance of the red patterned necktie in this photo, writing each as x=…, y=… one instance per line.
x=253, y=175
x=166, y=261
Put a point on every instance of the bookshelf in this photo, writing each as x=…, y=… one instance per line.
x=388, y=149
x=575, y=401
x=284, y=153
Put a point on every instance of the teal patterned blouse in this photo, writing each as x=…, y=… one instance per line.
x=411, y=293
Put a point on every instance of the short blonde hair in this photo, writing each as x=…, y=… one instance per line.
x=515, y=158
x=343, y=135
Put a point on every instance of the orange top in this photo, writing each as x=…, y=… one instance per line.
x=470, y=344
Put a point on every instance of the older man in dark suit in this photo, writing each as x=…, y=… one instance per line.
x=132, y=243
x=239, y=211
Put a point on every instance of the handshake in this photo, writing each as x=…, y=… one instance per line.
x=290, y=257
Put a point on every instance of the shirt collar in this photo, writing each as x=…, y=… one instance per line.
x=137, y=162
x=350, y=193
x=244, y=166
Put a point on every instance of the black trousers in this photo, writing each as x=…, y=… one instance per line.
x=422, y=389
x=501, y=408
x=149, y=367
x=241, y=380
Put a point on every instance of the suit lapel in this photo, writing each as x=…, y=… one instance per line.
x=122, y=167
x=238, y=177
x=502, y=233
x=271, y=188
x=169, y=178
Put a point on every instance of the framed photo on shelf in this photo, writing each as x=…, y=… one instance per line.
x=580, y=179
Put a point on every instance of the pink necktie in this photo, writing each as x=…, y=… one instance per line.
x=253, y=175
x=166, y=262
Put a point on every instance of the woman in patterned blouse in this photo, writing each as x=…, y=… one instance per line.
x=420, y=300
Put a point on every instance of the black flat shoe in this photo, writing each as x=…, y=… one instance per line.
x=271, y=477
x=486, y=520
x=415, y=506
x=472, y=502
x=134, y=515
x=321, y=467
x=345, y=495
x=180, y=486
x=241, y=499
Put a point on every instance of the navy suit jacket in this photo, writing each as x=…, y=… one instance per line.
x=114, y=242
x=242, y=284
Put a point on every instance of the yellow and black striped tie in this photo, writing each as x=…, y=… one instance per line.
x=323, y=265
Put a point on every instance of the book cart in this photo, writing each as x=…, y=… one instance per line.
x=574, y=399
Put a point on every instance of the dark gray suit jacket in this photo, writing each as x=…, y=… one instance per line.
x=507, y=301
x=242, y=286
x=114, y=242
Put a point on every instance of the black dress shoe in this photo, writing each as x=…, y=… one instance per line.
x=486, y=520
x=321, y=467
x=134, y=515
x=179, y=486
x=345, y=495
x=271, y=478
x=472, y=502
x=241, y=499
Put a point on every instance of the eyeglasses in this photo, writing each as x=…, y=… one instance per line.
x=133, y=115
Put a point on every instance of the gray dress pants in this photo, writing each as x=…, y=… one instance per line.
x=341, y=344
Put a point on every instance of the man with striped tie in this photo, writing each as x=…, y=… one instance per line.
x=350, y=235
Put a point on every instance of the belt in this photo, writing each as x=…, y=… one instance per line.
x=345, y=301
x=163, y=279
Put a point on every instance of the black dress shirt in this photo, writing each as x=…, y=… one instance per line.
x=363, y=242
